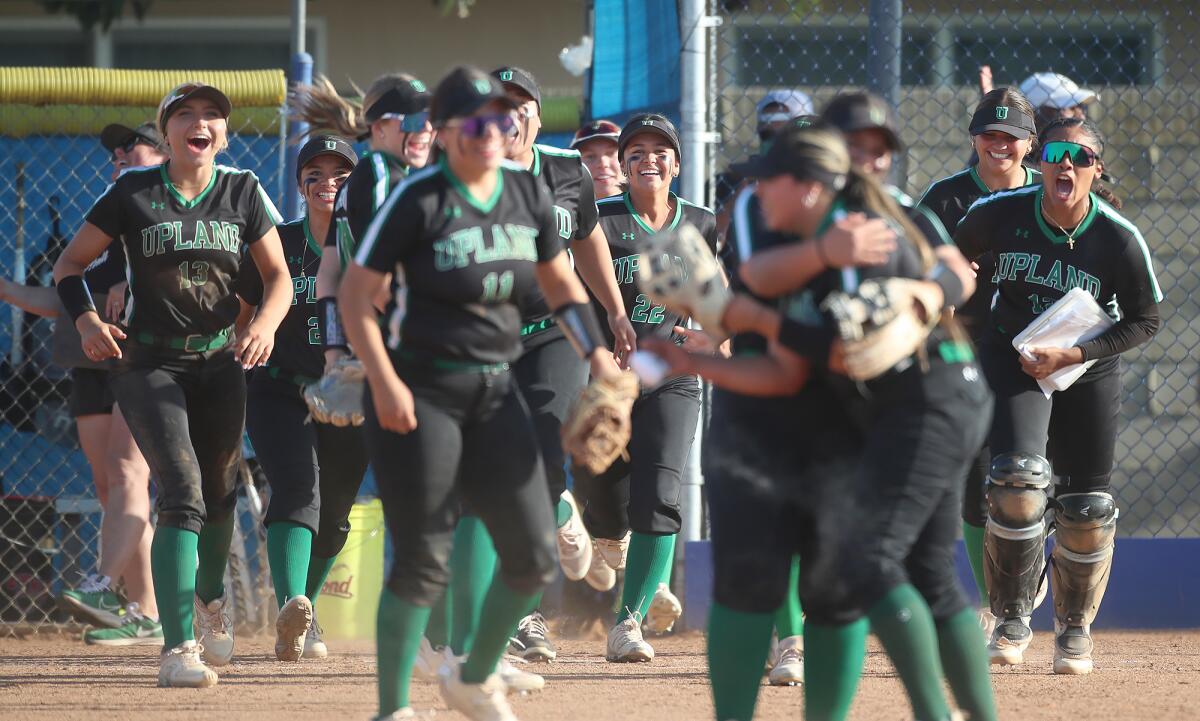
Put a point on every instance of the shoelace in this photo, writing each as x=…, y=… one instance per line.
x=94, y=583
x=535, y=625
x=574, y=539
x=789, y=655
x=133, y=612
x=218, y=620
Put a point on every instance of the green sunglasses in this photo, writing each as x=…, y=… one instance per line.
x=1081, y=156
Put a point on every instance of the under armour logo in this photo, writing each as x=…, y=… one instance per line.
x=1001, y=112
x=155, y=205
x=506, y=75
x=627, y=236
x=1022, y=233
x=453, y=211
x=294, y=259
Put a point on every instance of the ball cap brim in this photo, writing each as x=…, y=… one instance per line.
x=186, y=91
x=115, y=135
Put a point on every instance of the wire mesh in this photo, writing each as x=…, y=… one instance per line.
x=1140, y=57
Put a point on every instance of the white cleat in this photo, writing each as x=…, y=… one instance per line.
x=600, y=575
x=614, y=552
x=1009, y=641
x=215, y=629
x=181, y=667
x=987, y=621
x=404, y=714
x=518, y=681
x=291, y=628
x=625, y=643
x=1073, y=650
x=664, y=610
x=314, y=645
x=429, y=660
x=574, y=547
x=477, y=701
x=789, y=668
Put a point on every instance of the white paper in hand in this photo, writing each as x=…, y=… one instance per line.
x=1073, y=319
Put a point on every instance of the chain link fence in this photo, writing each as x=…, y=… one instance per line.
x=1142, y=59
x=52, y=168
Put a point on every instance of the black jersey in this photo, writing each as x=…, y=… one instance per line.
x=626, y=232
x=808, y=330
x=184, y=256
x=1036, y=265
x=569, y=183
x=948, y=199
x=465, y=262
x=360, y=198
x=298, y=340
x=747, y=236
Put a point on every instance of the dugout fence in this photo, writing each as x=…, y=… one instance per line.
x=52, y=167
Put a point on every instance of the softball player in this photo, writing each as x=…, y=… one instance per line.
x=1046, y=239
x=118, y=470
x=549, y=375
x=1002, y=135
x=444, y=416
x=641, y=495
x=874, y=514
x=179, y=376
x=312, y=492
x=597, y=146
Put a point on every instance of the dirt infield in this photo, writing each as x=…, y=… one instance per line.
x=1152, y=675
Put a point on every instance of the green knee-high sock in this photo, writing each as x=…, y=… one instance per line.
x=502, y=610
x=789, y=619
x=213, y=548
x=288, y=548
x=737, y=649
x=973, y=540
x=173, y=565
x=902, y=622
x=472, y=568
x=965, y=661
x=438, y=628
x=829, y=685
x=398, y=632
x=649, y=564
x=318, y=571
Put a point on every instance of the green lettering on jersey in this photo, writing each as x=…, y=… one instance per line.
x=304, y=287
x=201, y=240
x=501, y=247
x=452, y=251
x=524, y=242
x=1031, y=275
x=156, y=237
x=1011, y=266
x=563, y=217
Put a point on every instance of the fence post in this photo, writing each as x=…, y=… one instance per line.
x=883, y=62
x=299, y=72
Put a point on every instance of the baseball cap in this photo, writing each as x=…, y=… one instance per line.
x=319, y=145
x=115, y=135
x=851, y=112
x=405, y=95
x=186, y=91
x=1004, y=118
x=595, y=130
x=463, y=91
x=648, y=123
x=796, y=102
x=786, y=155
x=1055, y=91
x=520, y=79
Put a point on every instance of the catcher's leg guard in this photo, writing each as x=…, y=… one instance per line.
x=1082, y=560
x=1014, y=556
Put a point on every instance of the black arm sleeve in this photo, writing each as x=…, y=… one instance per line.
x=1137, y=295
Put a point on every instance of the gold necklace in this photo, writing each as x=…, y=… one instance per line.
x=1064, y=231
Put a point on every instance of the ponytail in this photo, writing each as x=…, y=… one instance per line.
x=325, y=111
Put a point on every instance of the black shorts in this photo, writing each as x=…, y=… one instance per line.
x=90, y=394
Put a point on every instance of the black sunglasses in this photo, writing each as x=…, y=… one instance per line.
x=130, y=145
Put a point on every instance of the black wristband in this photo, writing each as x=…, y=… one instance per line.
x=75, y=296
x=330, y=326
x=949, y=282
x=579, y=324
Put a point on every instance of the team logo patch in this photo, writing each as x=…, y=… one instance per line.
x=647, y=122
x=506, y=75
x=331, y=145
x=418, y=86
x=482, y=87
x=877, y=116
x=1001, y=112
